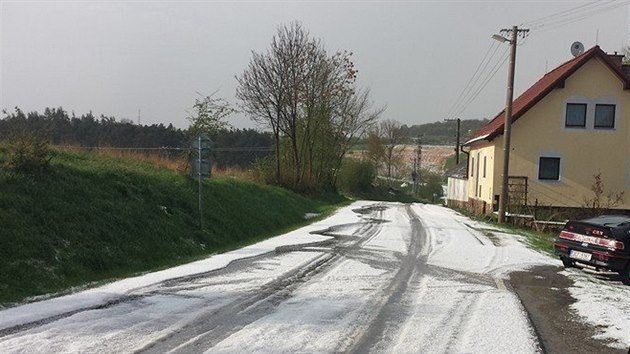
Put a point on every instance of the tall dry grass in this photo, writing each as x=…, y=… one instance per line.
x=236, y=172
x=177, y=163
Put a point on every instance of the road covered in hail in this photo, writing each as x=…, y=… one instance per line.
x=374, y=277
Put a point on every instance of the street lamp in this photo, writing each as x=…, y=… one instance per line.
x=508, y=118
x=500, y=38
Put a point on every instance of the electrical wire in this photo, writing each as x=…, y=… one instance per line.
x=573, y=15
x=483, y=64
x=473, y=87
x=225, y=149
x=565, y=12
x=485, y=83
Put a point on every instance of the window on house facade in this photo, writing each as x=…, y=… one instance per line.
x=576, y=115
x=549, y=168
x=605, y=116
x=472, y=166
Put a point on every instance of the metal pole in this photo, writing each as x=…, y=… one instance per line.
x=457, y=143
x=507, y=128
x=419, y=161
x=199, y=179
x=415, y=170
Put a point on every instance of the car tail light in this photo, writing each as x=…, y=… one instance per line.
x=611, y=243
x=561, y=247
x=600, y=241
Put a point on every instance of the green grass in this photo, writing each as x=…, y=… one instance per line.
x=92, y=218
x=450, y=162
x=541, y=240
x=537, y=240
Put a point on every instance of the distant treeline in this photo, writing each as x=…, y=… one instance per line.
x=442, y=133
x=238, y=147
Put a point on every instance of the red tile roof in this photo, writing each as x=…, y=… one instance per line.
x=540, y=89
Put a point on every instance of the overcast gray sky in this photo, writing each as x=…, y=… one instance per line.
x=118, y=57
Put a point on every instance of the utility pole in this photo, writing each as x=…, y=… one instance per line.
x=457, y=143
x=415, y=175
x=458, y=120
x=419, y=157
x=514, y=31
x=199, y=174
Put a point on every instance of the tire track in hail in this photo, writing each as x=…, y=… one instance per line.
x=368, y=225
x=210, y=328
x=412, y=265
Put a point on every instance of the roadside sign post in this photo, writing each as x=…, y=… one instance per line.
x=201, y=166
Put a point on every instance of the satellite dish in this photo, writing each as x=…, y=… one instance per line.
x=577, y=48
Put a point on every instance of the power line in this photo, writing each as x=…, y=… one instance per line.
x=565, y=12
x=489, y=76
x=576, y=14
x=219, y=149
x=473, y=87
x=474, y=79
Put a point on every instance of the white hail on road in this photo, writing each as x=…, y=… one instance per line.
x=391, y=288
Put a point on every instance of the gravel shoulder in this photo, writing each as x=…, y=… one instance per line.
x=544, y=294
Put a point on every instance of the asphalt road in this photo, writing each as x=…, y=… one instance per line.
x=543, y=292
x=370, y=289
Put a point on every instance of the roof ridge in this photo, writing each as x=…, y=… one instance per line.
x=588, y=52
x=542, y=87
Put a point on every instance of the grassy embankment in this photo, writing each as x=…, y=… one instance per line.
x=538, y=240
x=93, y=218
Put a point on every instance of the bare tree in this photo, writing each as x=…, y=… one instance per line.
x=269, y=87
x=309, y=100
x=394, y=150
x=261, y=92
x=375, y=147
x=335, y=113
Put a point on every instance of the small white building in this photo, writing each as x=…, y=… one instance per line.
x=457, y=186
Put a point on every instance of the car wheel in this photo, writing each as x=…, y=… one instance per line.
x=567, y=263
x=625, y=274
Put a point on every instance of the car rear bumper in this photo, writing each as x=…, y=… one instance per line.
x=599, y=258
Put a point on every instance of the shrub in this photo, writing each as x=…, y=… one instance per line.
x=430, y=189
x=356, y=176
x=263, y=170
x=602, y=200
x=27, y=154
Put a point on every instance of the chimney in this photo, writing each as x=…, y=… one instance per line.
x=616, y=58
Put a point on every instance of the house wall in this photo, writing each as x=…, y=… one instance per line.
x=583, y=152
x=482, y=170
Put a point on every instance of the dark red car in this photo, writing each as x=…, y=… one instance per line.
x=602, y=242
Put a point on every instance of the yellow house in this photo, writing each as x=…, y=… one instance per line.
x=573, y=124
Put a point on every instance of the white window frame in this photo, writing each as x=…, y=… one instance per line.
x=591, y=104
x=560, y=165
x=566, y=106
x=614, y=122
